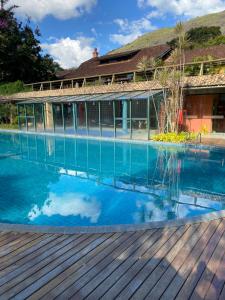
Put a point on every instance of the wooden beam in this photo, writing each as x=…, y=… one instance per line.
x=84, y=82
x=113, y=79
x=201, y=69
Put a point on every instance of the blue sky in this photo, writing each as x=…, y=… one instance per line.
x=72, y=28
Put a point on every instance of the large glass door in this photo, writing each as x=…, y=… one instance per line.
x=139, y=110
x=58, y=117
x=39, y=116
x=81, y=108
x=107, y=118
x=122, y=119
x=218, y=114
x=93, y=118
x=22, y=117
x=30, y=117
x=68, y=118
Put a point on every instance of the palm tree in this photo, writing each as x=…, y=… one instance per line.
x=146, y=63
x=172, y=81
x=143, y=65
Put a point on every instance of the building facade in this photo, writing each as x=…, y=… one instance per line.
x=110, y=96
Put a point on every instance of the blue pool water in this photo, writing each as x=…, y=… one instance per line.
x=49, y=180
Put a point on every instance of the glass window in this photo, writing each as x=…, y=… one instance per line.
x=122, y=120
x=139, y=119
x=81, y=119
x=30, y=117
x=58, y=117
x=107, y=118
x=93, y=118
x=68, y=117
x=38, y=110
x=48, y=112
x=154, y=115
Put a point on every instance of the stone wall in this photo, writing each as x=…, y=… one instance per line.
x=190, y=82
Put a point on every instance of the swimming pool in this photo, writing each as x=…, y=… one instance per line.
x=56, y=181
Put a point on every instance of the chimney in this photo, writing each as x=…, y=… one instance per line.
x=95, y=53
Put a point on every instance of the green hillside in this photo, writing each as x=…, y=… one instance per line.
x=164, y=35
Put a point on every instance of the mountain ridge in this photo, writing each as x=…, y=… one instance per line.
x=164, y=35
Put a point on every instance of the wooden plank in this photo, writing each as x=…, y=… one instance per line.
x=176, y=283
x=4, y=235
x=10, y=238
x=127, y=277
x=21, y=262
x=62, y=280
x=210, y=269
x=217, y=283
x=174, y=263
x=12, y=244
x=8, y=251
x=78, y=259
x=164, y=278
x=147, y=263
x=189, y=285
x=24, y=250
x=37, y=263
x=222, y=294
x=40, y=276
x=152, y=288
x=112, y=272
x=116, y=255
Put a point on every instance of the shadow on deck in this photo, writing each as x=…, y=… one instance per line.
x=185, y=262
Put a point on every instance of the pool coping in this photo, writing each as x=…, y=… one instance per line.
x=4, y=227
x=111, y=139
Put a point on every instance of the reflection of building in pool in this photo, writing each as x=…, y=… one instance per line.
x=13, y=204
x=162, y=174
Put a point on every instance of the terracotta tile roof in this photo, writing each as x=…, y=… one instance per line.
x=216, y=52
x=217, y=81
x=107, y=64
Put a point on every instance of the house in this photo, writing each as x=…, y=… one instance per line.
x=110, y=96
x=119, y=67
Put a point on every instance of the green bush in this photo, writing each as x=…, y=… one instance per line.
x=9, y=126
x=170, y=137
x=11, y=88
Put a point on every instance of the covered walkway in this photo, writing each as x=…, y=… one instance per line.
x=125, y=114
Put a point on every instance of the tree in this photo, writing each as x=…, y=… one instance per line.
x=172, y=81
x=200, y=37
x=20, y=51
x=146, y=63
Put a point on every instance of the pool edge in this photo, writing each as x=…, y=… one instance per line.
x=4, y=227
x=113, y=139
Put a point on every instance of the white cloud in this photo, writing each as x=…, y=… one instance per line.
x=130, y=30
x=66, y=9
x=70, y=52
x=187, y=8
x=69, y=204
x=123, y=39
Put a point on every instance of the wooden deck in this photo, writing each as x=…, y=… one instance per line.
x=186, y=262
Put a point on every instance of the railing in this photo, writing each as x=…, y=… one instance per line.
x=190, y=69
x=198, y=138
